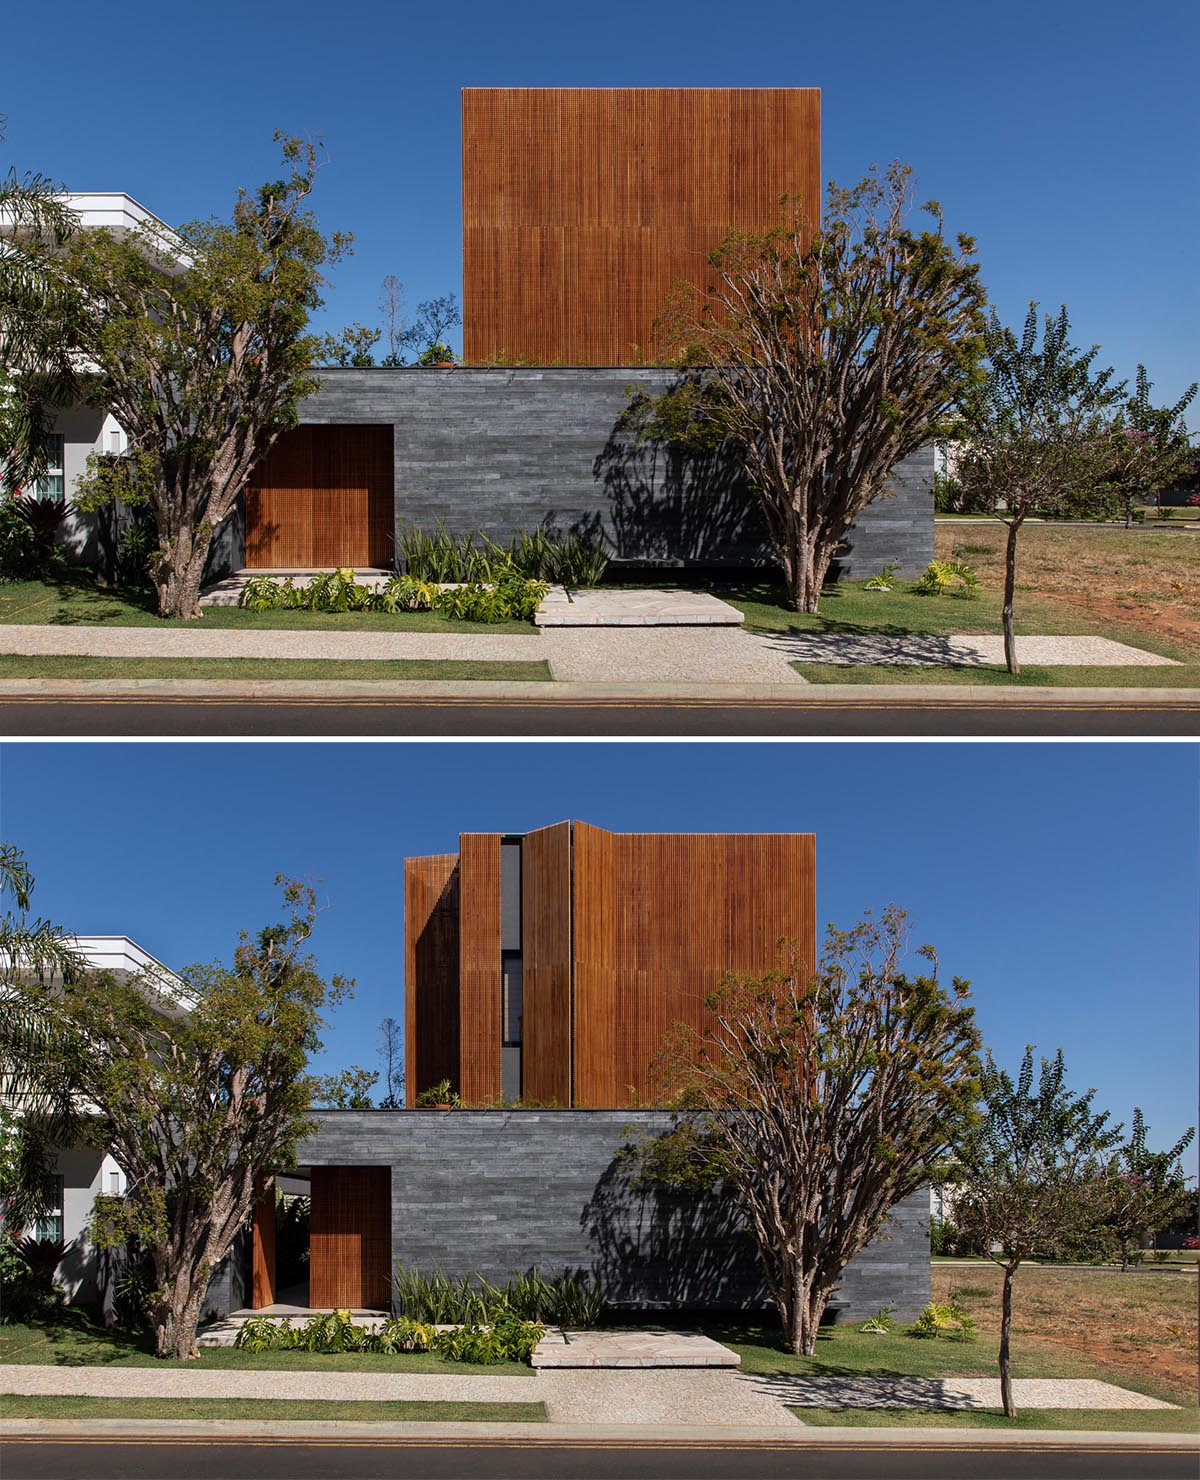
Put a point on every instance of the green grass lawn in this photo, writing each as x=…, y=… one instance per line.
x=72, y=600
x=75, y=1342
x=15, y=665
x=1187, y=676
x=1135, y=1420
x=263, y=1409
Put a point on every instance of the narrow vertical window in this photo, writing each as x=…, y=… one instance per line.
x=54, y=484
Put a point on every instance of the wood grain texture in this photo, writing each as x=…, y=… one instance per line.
x=322, y=497
x=350, y=1238
x=582, y=206
x=658, y=920
x=262, y=1259
x=431, y=908
x=546, y=962
x=479, y=970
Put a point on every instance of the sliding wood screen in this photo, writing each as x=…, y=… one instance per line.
x=658, y=920
x=480, y=974
x=262, y=1273
x=322, y=497
x=431, y=902
x=582, y=206
x=350, y=1238
x=546, y=964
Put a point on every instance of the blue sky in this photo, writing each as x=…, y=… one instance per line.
x=1062, y=136
x=1061, y=879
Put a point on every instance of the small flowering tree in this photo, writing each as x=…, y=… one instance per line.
x=1141, y=1190
x=1148, y=447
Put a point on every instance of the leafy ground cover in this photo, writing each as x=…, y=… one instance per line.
x=1137, y=1329
x=1129, y=1420
x=75, y=1342
x=15, y=665
x=265, y=1409
x=72, y=600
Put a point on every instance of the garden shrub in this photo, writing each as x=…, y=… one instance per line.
x=945, y=1318
x=541, y=554
x=511, y=597
x=948, y=578
x=21, y=555
x=571, y=1300
x=880, y=1324
x=507, y=1338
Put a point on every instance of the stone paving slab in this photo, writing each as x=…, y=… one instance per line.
x=945, y=1392
x=640, y=1349
x=957, y=652
x=629, y=608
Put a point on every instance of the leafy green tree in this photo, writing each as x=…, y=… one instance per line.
x=353, y=346
x=39, y=305
x=201, y=344
x=819, y=1101
x=198, y=1093
x=426, y=335
x=348, y=1089
x=1142, y=1191
x=824, y=356
x=38, y=1108
x=1148, y=447
x=1029, y=1175
x=1037, y=434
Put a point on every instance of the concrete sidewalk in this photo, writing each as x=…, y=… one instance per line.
x=797, y=1435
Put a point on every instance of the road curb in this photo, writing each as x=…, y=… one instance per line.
x=590, y=1435
x=411, y=691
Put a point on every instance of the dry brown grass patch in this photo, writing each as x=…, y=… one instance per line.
x=1129, y=1325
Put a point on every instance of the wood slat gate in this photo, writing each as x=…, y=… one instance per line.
x=350, y=1238
x=322, y=497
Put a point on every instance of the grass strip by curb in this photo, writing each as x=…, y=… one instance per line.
x=990, y=674
x=1134, y=1420
x=61, y=665
x=301, y=1410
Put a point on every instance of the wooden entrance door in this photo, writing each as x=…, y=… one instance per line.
x=350, y=1238
x=322, y=497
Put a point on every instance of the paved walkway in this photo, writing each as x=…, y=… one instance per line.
x=946, y=1392
x=962, y=652
x=624, y=1349
x=644, y=655
x=670, y=1396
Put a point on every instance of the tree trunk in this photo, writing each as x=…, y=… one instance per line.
x=1010, y=583
x=177, y=575
x=803, y=1319
x=806, y=575
x=177, y=1319
x=1006, y=1397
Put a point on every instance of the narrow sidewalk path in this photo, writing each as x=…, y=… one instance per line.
x=942, y=1393
x=710, y=1397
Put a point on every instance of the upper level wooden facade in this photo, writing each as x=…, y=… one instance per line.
x=582, y=206
x=551, y=965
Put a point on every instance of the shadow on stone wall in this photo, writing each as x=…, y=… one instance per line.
x=653, y=1247
x=669, y=503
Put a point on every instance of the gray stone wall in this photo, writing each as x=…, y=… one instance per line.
x=500, y=450
x=500, y=1191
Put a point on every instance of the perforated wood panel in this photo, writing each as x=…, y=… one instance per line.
x=546, y=953
x=350, y=1238
x=582, y=206
x=480, y=979
x=322, y=497
x=431, y=896
x=658, y=919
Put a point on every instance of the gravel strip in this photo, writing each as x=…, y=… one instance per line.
x=946, y=1392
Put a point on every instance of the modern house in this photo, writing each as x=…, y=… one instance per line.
x=546, y=967
x=581, y=208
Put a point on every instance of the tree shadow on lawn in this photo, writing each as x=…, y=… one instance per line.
x=87, y=604
x=76, y=1341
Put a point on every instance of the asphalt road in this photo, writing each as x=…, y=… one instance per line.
x=370, y=1459
x=173, y=717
